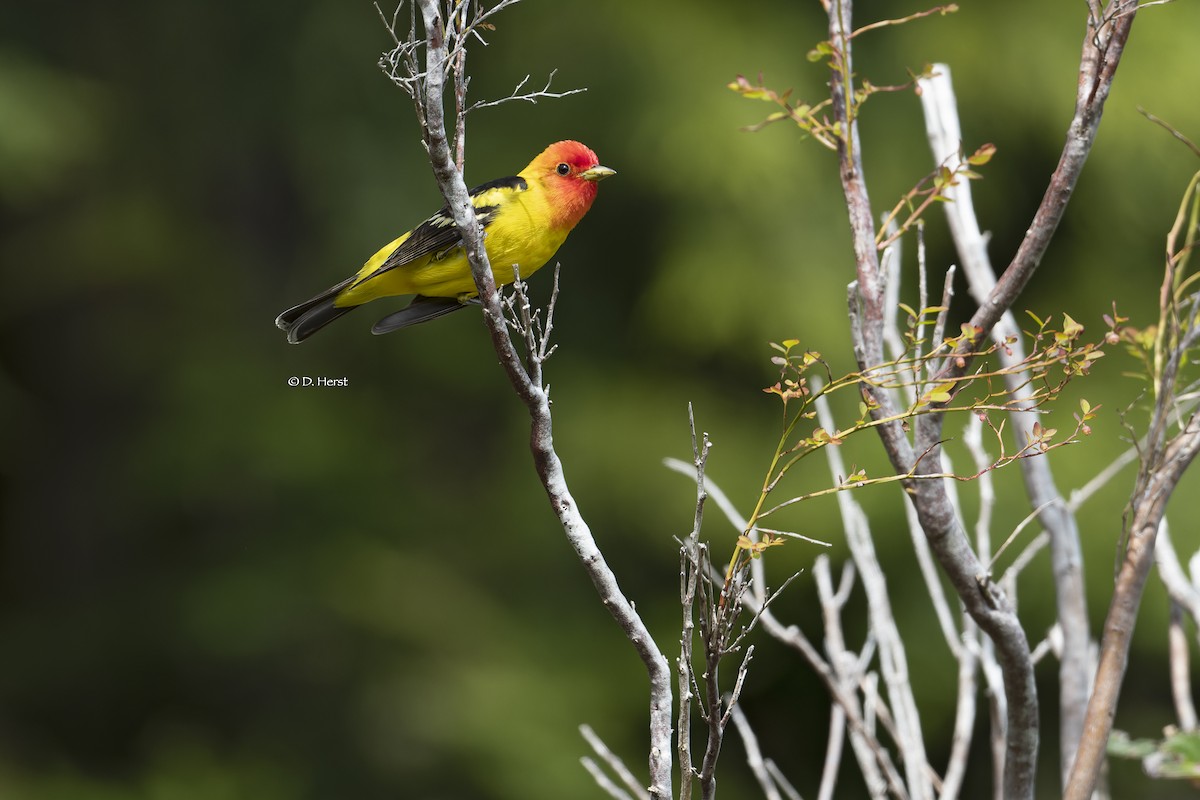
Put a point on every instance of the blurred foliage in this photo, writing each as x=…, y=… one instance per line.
x=1175, y=757
x=216, y=586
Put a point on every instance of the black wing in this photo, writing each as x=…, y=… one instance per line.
x=438, y=234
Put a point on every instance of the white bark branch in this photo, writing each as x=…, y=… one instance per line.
x=945, y=139
x=529, y=389
x=892, y=658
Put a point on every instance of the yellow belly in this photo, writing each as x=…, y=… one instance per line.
x=512, y=239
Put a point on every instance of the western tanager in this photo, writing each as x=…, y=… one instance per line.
x=525, y=219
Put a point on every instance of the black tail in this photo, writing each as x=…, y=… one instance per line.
x=421, y=309
x=304, y=320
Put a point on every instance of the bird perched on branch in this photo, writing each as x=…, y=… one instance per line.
x=525, y=219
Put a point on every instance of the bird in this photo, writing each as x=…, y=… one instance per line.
x=525, y=219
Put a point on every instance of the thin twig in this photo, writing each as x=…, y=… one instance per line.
x=693, y=556
x=1088, y=490
x=1024, y=523
x=781, y=781
x=833, y=752
x=964, y=722
x=1036, y=545
x=943, y=10
x=1163, y=123
x=529, y=97
x=614, y=762
x=754, y=755
x=933, y=582
x=1180, y=588
x=1181, y=678
x=603, y=781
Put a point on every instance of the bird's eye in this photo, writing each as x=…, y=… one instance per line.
x=563, y=169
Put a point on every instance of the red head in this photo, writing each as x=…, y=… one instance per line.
x=568, y=172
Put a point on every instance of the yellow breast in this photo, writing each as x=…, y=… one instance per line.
x=514, y=239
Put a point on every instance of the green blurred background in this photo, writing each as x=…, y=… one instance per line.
x=216, y=586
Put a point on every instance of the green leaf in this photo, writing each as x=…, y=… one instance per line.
x=1185, y=744
x=1121, y=745
x=941, y=393
x=819, y=52
x=982, y=156
x=1070, y=327
x=944, y=177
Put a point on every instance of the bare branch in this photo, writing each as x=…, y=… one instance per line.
x=1181, y=589
x=1184, y=597
x=1154, y=487
x=893, y=660
x=874, y=762
x=937, y=516
x=945, y=137
x=693, y=557
x=401, y=64
x=1023, y=559
x=1164, y=459
x=943, y=10
x=1022, y=525
x=603, y=781
x=754, y=755
x=933, y=584
x=939, y=328
x=713, y=491
x=1101, y=56
x=833, y=752
x=1181, y=678
x=781, y=781
x=998, y=716
x=529, y=97
x=1163, y=123
x=964, y=722
x=1088, y=490
x=690, y=572
x=549, y=468
x=614, y=763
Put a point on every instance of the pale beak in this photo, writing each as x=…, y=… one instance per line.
x=597, y=173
